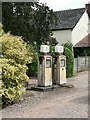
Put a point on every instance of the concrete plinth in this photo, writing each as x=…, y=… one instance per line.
x=48, y=88
x=67, y=85
x=39, y=88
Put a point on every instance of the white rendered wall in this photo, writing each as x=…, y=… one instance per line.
x=62, y=36
x=80, y=30
x=88, y=25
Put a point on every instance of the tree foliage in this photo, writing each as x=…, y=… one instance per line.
x=81, y=51
x=30, y=20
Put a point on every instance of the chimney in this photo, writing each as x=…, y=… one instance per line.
x=87, y=6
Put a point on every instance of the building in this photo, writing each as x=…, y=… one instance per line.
x=72, y=25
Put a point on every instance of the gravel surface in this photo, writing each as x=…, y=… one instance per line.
x=59, y=103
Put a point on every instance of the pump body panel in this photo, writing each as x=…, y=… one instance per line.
x=59, y=69
x=62, y=69
x=45, y=70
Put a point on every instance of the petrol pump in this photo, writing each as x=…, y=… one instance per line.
x=59, y=66
x=44, y=67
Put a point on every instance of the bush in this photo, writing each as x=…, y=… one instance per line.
x=15, y=58
x=1, y=30
x=32, y=67
x=69, y=45
x=69, y=62
x=14, y=48
x=52, y=49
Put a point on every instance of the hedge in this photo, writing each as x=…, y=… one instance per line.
x=69, y=62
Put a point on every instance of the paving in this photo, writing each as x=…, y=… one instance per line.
x=61, y=102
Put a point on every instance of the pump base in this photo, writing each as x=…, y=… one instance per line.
x=38, y=88
x=67, y=85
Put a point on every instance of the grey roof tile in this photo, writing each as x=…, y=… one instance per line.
x=67, y=19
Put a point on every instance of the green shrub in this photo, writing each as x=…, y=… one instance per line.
x=1, y=30
x=14, y=48
x=32, y=67
x=52, y=49
x=69, y=45
x=15, y=58
x=13, y=76
x=69, y=62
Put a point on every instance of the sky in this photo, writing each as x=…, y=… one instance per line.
x=58, y=5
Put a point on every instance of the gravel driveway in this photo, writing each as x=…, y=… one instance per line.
x=59, y=103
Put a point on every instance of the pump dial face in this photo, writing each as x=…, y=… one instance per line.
x=48, y=63
x=62, y=62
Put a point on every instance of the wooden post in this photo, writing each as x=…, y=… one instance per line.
x=85, y=62
x=77, y=63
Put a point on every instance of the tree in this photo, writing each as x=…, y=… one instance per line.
x=30, y=20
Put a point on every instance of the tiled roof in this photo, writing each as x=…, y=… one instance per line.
x=67, y=19
x=85, y=42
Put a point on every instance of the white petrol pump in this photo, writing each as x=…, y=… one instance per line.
x=51, y=70
x=44, y=67
x=59, y=66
